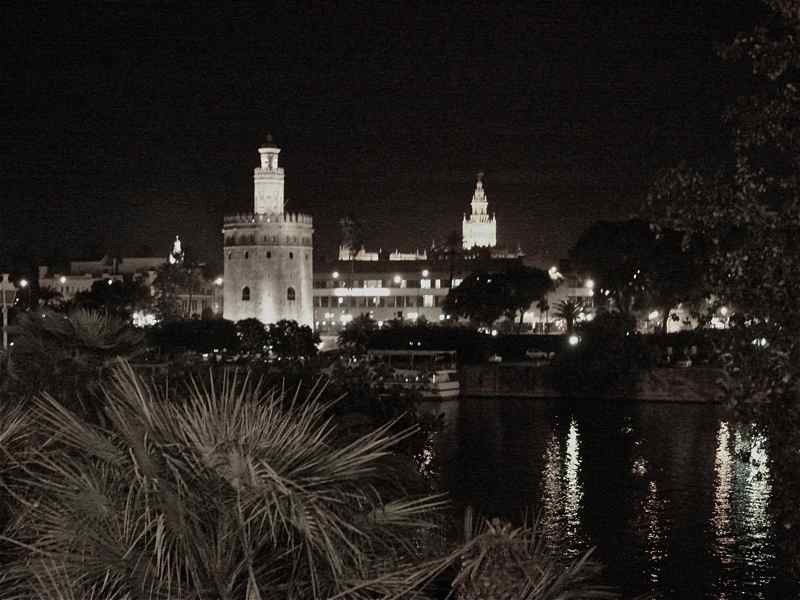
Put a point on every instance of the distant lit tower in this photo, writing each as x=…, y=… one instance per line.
x=177, y=255
x=268, y=273
x=479, y=228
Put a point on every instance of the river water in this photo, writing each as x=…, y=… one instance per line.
x=674, y=498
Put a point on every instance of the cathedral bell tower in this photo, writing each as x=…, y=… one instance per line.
x=479, y=228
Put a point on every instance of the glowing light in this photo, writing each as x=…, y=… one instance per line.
x=573, y=340
x=589, y=284
x=760, y=342
x=23, y=283
x=363, y=292
x=554, y=274
x=494, y=332
x=110, y=282
x=441, y=317
x=341, y=300
x=425, y=272
x=218, y=281
x=62, y=280
x=142, y=318
x=397, y=279
x=335, y=274
x=723, y=311
x=380, y=323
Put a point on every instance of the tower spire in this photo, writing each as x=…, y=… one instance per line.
x=479, y=228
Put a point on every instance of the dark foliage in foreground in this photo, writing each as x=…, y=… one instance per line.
x=223, y=490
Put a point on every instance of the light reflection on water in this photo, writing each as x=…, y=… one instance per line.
x=562, y=494
x=675, y=500
x=741, y=523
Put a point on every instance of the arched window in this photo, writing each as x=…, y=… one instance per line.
x=269, y=254
x=247, y=255
x=245, y=294
x=291, y=254
x=290, y=295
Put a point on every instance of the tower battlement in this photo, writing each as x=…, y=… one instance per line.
x=263, y=218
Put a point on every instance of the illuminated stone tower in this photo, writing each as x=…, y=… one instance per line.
x=268, y=253
x=479, y=228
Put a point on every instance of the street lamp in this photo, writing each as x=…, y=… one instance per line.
x=218, y=281
x=23, y=283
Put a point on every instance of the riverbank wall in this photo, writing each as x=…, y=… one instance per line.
x=693, y=384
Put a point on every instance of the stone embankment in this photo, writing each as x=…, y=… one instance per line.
x=693, y=384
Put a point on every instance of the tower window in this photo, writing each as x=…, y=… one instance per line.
x=290, y=294
x=229, y=255
x=291, y=254
x=247, y=255
x=245, y=294
x=269, y=254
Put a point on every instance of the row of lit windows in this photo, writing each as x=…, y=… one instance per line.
x=379, y=283
x=291, y=295
x=426, y=301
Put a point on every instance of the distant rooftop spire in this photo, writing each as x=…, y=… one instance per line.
x=270, y=143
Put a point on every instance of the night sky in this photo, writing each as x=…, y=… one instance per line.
x=123, y=126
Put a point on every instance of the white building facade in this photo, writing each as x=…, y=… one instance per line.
x=268, y=254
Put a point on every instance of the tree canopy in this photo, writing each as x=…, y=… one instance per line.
x=117, y=297
x=355, y=336
x=636, y=265
x=486, y=296
x=291, y=341
x=253, y=336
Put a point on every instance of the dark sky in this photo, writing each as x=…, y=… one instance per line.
x=124, y=125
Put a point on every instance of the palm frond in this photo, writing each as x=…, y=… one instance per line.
x=217, y=488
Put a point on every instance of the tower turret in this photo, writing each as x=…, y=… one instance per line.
x=268, y=181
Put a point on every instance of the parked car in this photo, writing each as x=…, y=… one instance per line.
x=534, y=354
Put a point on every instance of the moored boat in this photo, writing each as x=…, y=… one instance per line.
x=432, y=372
